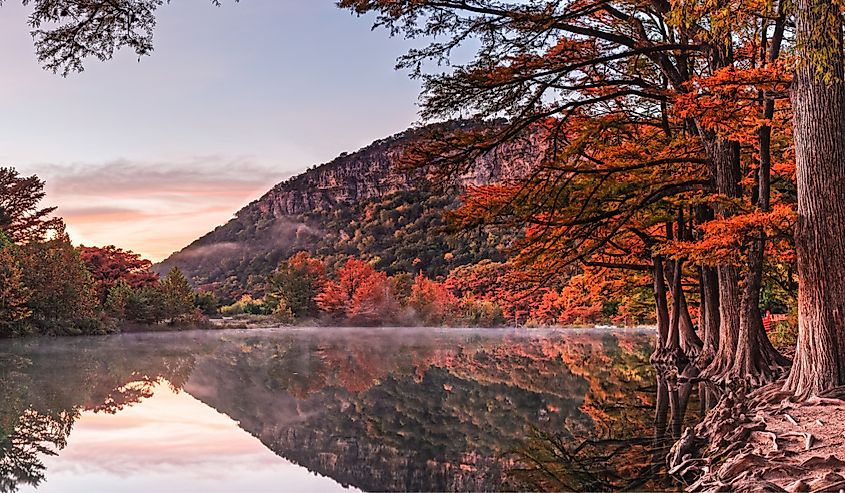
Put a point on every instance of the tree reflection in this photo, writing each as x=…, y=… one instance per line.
x=375, y=410
x=48, y=384
x=35, y=434
x=627, y=459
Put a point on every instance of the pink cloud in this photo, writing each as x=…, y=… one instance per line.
x=152, y=208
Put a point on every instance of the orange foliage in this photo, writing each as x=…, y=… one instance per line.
x=432, y=302
x=360, y=294
x=722, y=236
x=109, y=265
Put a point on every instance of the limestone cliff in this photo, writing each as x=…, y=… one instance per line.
x=299, y=213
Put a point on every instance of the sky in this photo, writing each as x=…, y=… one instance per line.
x=149, y=155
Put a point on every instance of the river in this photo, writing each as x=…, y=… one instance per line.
x=331, y=409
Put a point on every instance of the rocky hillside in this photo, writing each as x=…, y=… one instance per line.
x=361, y=204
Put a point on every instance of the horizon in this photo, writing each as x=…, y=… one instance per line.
x=190, y=148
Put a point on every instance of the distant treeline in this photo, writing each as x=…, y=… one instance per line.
x=304, y=288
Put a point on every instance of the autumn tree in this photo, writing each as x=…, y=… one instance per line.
x=489, y=286
x=20, y=217
x=432, y=302
x=359, y=294
x=539, y=61
x=14, y=295
x=611, y=200
x=110, y=265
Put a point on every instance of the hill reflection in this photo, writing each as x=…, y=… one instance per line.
x=375, y=409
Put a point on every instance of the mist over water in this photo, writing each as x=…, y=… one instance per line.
x=334, y=408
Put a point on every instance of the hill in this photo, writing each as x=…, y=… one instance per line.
x=361, y=204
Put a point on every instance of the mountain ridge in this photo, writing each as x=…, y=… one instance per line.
x=331, y=200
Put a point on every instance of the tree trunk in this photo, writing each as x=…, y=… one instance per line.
x=709, y=319
x=818, y=100
x=757, y=361
x=673, y=344
x=709, y=313
x=726, y=172
x=688, y=341
x=661, y=305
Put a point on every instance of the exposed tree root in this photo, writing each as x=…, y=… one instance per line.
x=669, y=361
x=765, y=441
x=705, y=357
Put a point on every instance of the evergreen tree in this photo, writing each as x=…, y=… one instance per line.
x=294, y=284
x=119, y=297
x=178, y=295
x=20, y=218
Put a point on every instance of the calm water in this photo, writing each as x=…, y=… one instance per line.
x=337, y=409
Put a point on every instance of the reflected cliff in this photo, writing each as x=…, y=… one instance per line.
x=386, y=410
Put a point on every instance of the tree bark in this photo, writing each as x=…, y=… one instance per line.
x=709, y=312
x=724, y=155
x=757, y=361
x=688, y=341
x=661, y=305
x=709, y=318
x=818, y=100
x=673, y=344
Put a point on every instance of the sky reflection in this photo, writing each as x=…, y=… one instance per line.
x=171, y=442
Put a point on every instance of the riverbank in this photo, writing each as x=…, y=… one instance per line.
x=765, y=441
x=249, y=321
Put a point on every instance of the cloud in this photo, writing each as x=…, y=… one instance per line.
x=153, y=208
x=202, y=174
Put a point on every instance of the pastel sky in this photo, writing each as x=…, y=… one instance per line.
x=150, y=155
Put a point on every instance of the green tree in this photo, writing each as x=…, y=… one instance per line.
x=294, y=284
x=63, y=292
x=207, y=302
x=146, y=305
x=118, y=300
x=14, y=295
x=177, y=293
x=20, y=218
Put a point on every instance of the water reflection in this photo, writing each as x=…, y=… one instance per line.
x=371, y=409
x=622, y=453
